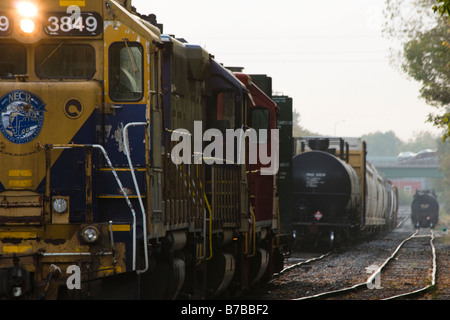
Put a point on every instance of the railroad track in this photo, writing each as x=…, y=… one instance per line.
x=410, y=270
x=403, y=261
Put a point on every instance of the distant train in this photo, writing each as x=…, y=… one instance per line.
x=337, y=194
x=425, y=209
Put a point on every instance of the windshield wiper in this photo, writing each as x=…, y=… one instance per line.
x=51, y=53
x=136, y=70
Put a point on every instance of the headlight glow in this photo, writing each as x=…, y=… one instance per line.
x=27, y=25
x=27, y=9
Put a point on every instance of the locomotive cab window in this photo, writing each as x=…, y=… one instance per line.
x=125, y=71
x=260, y=119
x=13, y=60
x=65, y=61
x=225, y=110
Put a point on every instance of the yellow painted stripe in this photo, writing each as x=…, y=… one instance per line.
x=121, y=227
x=18, y=235
x=20, y=183
x=67, y=3
x=14, y=173
x=16, y=249
x=20, y=173
x=82, y=248
x=26, y=173
x=109, y=270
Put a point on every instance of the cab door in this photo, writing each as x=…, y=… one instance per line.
x=131, y=71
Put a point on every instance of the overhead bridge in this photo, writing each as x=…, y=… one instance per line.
x=392, y=168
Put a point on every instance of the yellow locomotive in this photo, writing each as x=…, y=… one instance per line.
x=91, y=203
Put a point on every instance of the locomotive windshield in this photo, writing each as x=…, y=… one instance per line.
x=13, y=60
x=62, y=60
x=126, y=77
x=225, y=110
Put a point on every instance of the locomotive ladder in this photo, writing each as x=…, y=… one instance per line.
x=89, y=196
x=136, y=186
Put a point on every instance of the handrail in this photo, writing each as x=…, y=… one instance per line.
x=138, y=193
x=119, y=183
x=253, y=232
x=205, y=219
x=210, y=228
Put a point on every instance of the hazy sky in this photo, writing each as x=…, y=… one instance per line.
x=329, y=56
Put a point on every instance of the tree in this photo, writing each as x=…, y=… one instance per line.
x=382, y=144
x=443, y=7
x=427, y=60
x=387, y=144
x=297, y=129
x=425, y=51
x=421, y=140
x=444, y=188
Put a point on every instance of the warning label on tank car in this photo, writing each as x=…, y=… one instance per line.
x=314, y=179
x=318, y=215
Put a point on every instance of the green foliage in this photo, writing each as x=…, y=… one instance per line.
x=297, y=129
x=381, y=144
x=387, y=144
x=442, y=8
x=427, y=60
x=425, y=53
x=444, y=159
x=421, y=140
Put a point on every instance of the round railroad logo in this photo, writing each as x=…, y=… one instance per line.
x=22, y=116
x=73, y=108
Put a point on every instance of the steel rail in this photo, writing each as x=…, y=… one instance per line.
x=303, y=262
x=433, y=274
x=276, y=275
x=374, y=274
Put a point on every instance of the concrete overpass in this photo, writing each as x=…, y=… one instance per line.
x=392, y=168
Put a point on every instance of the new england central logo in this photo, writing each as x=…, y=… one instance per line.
x=22, y=116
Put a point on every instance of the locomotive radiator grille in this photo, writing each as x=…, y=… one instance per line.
x=183, y=194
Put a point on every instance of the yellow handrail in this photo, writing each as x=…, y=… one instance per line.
x=254, y=232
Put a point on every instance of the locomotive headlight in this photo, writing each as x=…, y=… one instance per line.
x=27, y=25
x=27, y=11
x=90, y=234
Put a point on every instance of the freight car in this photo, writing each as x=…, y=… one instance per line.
x=425, y=209
x=337, y=194
x=122, y=189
